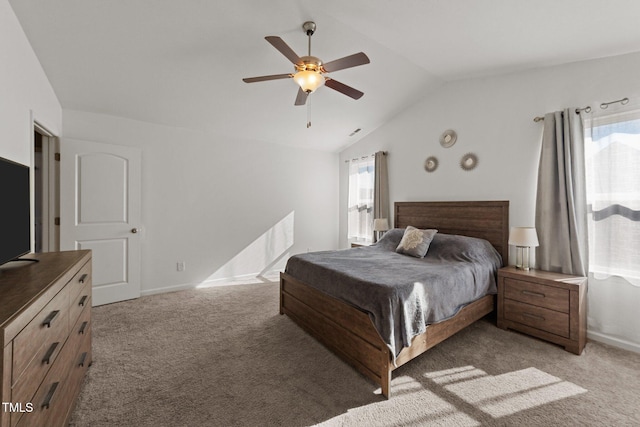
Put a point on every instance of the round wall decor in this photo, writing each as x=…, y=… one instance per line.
x=469, y=161
x=448, y=138
x=431, y=164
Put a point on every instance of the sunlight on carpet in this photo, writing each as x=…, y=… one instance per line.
x=429, y=409
x=270, y=277
x=504, y=394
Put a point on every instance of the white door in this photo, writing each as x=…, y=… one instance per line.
x=100, y=198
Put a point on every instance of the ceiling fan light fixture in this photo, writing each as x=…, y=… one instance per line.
x=309, y=71
x=309, y=81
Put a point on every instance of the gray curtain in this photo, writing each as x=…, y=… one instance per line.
x=561, y=205
x=381, y=189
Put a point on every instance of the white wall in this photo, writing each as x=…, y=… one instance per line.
x=227, y=207
x=25, y=91
x=493, y=117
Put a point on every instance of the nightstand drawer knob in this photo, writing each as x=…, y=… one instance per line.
x=533, y=294
x=533, y=316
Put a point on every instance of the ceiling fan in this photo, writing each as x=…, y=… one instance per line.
x=310, y=72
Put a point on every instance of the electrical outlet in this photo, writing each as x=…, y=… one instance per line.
x=180, y=266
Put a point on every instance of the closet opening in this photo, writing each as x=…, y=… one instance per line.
x=46, y=191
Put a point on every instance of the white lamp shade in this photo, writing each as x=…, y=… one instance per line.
x=523, y=236
x=309, y=81
x=380, y=224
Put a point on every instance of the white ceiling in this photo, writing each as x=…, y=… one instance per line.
x=180, y=63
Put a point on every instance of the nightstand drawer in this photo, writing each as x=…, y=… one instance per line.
x=539, y=295
x=537, y=317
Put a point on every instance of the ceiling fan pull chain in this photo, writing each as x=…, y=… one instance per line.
x=308, y=112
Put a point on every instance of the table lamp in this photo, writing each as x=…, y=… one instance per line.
x=380, y=225
x=523, y=238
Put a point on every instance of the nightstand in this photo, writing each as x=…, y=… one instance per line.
x=357, y=245
x=546, y=305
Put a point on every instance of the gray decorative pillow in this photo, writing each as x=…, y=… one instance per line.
x=415, y=242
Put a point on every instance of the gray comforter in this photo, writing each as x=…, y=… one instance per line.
x=403, y=294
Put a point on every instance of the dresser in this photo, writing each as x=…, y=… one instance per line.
x=546, y=305
x=45, y=337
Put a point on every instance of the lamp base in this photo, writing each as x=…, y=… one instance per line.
x=523, y=258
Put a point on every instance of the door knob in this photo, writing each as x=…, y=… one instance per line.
x=134, y=230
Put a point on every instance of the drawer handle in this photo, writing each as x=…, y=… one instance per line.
x=82, y=359
x=82, y=327
x=83, y=278
x=49, y=396
x=47, y=356
x=533, y=294
x=534, y=316
x=49, y=320
x=82, y=300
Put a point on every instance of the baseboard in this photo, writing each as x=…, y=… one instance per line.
x=613, y=341
x=174, y=288
x=244, y=279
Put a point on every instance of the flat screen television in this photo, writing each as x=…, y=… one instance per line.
x=15, y=210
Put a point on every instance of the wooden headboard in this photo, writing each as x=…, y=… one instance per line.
x=485, y=220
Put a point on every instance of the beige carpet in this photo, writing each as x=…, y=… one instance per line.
x=225, y=357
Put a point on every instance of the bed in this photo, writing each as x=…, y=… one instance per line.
x=349, y=330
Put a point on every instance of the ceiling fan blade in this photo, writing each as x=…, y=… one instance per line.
x=343, y=88
x=284, y=49
x=265, y=78
x=346, y=62
x=301, y=98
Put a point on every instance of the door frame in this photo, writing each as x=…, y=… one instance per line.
x=50, y=187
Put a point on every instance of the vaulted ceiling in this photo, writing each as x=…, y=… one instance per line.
x=181, y=63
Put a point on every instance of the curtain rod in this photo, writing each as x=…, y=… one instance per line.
x=587, y=109
x=384, y=153
x=623, y=101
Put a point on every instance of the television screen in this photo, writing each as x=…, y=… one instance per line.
x=15, y=210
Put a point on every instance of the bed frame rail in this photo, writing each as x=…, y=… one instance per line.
x=347, y=331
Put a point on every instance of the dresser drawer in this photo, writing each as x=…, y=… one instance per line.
x=49, y=326
x=27, y=384
x=51, y=401
x=79, y=280
x=82, y=299
x=82, y=327
x=540, y=318
x=535, y=294
x=82, y=360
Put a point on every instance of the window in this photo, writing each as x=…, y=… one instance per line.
x=360, y=211
x=612, y=160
